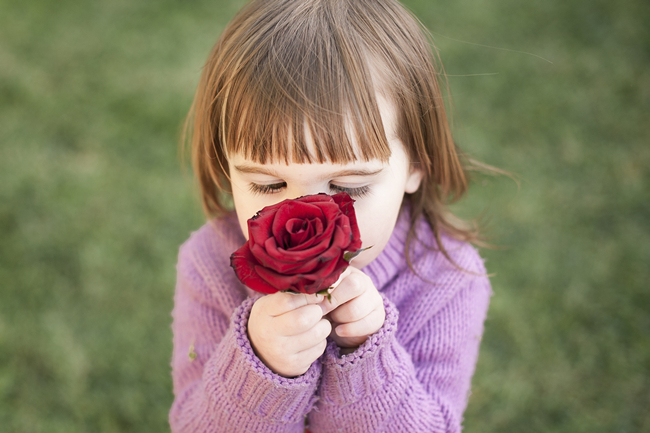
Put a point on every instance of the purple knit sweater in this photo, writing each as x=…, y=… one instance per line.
x=413, y=375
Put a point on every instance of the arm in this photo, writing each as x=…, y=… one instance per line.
x=226, y=388
x=421, y=385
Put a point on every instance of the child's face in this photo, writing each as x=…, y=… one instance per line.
x=377, y=188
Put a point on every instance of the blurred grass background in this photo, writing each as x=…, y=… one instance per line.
x=94, y=204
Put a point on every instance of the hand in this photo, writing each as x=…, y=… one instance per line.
x=356, y=310
x=288, y=331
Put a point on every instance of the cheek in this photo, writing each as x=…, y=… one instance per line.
x=244, y=210
x=376, y=223
x=244, y=226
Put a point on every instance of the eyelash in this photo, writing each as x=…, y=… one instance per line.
x=275, y=187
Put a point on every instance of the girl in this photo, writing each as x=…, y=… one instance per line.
x=306, y=96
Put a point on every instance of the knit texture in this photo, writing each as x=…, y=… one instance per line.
x=412, y=375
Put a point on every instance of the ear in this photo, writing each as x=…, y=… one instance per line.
x=413, y=181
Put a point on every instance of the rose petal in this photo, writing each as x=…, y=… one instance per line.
x=297, y=254
x=316, y=198
x=290, y=210
x=259, y=227
x=330, y=210
x=299, y=231
x=244, y=264
x=346, y=204
x=284, y=282
x=322, y=232
x=288, y=267
x=343, y=224
x=323, y=283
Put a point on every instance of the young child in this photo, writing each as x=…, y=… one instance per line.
x=301, y=97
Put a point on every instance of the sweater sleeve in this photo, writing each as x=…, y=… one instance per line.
x=422, y=385
x=219, y=383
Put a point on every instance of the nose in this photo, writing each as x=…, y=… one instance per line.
x=302, y=190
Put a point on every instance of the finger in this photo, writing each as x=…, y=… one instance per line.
x=349, y=288
x=366, y=326
x=282, y=302
x=312, y=354
x=311, y=338
x=356, y=308
x=345, y=273
x=297, y=321
x=329, y=303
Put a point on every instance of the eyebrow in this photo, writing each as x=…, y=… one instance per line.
x=342, y=173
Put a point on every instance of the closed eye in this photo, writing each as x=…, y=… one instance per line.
x=359, y=192
x=277, y=187
x=267, y=189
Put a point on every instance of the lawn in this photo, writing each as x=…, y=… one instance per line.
x=94, y=204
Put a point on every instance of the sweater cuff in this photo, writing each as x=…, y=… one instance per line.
x=238, y=373
x=349, y=378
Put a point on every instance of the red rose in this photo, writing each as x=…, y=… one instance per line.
x=298, y=244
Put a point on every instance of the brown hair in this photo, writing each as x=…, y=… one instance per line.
x=281, y=66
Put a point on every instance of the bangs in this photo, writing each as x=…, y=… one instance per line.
x=293, y=83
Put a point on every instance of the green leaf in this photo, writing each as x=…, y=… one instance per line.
x=349, y=255
x=326, y=293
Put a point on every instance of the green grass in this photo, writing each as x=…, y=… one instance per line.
x=94, y=204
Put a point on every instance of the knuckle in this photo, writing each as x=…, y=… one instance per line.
x=301, y=323
x=303, y=319
x=357, y=283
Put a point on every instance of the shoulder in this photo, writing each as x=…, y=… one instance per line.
x=203, y=267
x=434, y=278
x=430, y=260
x=213, y=241
x=432, y=257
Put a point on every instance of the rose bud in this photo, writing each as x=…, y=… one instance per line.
x=299, y=245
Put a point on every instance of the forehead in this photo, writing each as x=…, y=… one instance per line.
x=314, y=170
x=398, y=162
